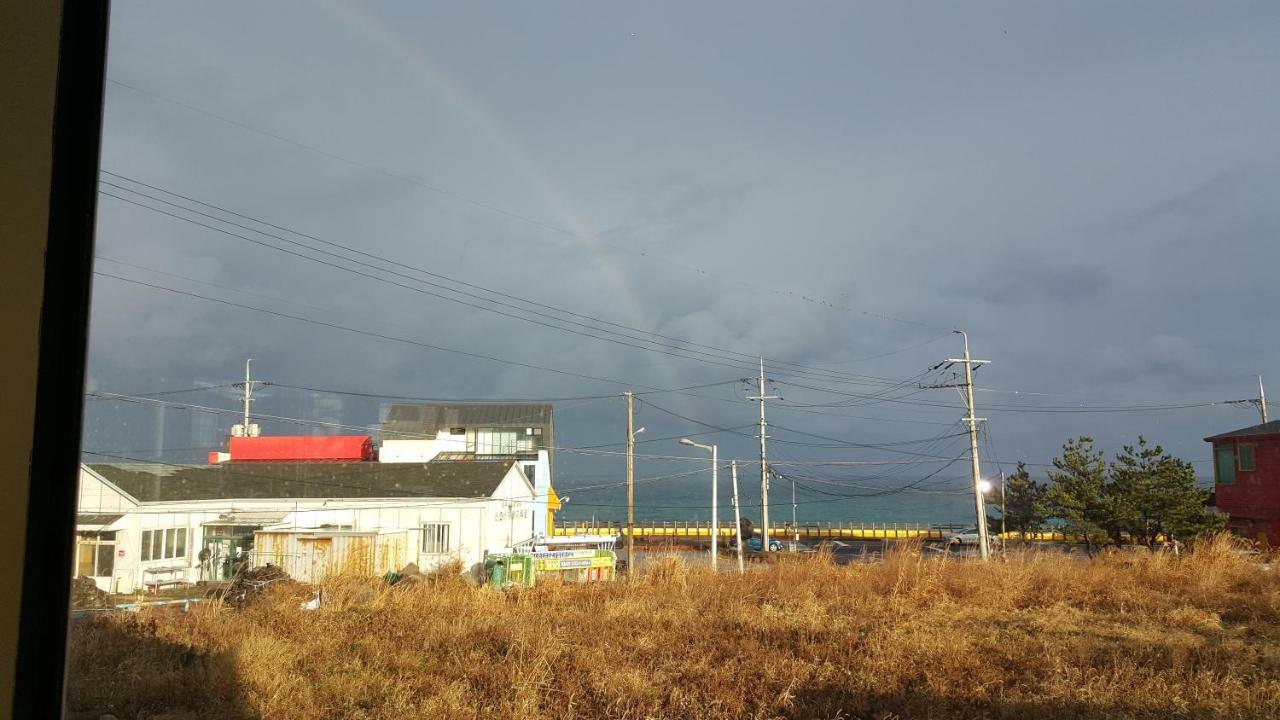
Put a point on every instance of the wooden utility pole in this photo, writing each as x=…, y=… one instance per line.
x=631, y=487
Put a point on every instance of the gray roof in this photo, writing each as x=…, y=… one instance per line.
x=226, y=481
x=1271, y=428
x=424, y=420
x=102, y=519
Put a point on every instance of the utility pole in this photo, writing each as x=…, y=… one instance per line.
x=1003, y=529
x=980, y=504
x=764, y=466
x=631, y=488
x=715, y=509
x=1262, y=400
x=248, y=384
x=737, y=517
x=794, y=527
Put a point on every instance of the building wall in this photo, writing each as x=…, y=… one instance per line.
x=1256, y=493
x=421, y=450
x=311, y=557
x=1252, y=502
x=476, y=525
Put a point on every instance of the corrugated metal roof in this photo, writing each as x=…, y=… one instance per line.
x=226, y=481
x=1271, y=428
x=97, y=519
x=424, y=420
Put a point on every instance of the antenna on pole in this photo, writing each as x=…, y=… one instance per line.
x=1262, y=400
x=247, y=428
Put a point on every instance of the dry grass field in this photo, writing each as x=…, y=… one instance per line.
x=1037, y=635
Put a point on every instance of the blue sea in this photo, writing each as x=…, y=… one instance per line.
x=692, y=501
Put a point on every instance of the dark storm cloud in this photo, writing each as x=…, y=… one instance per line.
x=1090, y=194
x=1036, y=280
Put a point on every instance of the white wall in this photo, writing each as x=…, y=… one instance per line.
x=99, y=496
x=420, y=450
x=476, y=525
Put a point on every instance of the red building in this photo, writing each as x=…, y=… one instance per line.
x=1246, y=472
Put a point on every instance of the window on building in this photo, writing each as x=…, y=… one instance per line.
x=95, y=554
x=1246, y=457
x=1224, y=465
x=495, y=441
x=435, y=538
x=531, y=472
x=164, y=544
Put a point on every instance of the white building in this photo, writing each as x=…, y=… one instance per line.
x=147, y=525
x=418, y=433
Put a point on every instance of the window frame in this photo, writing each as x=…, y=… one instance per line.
x=433, y=531
x=1253, y=457
x=78, y=30
x=160, y=544
x=1219, y=451
x=95, y=543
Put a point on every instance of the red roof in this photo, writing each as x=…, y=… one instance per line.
x=323, y=448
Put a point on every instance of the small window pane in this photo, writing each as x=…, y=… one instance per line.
x=435, y=538
x=146, y=545
x=182, y=543
x=1225, y=465
x=1246, y=457
x=84, y=560
x=106, y=560
x=168, y=543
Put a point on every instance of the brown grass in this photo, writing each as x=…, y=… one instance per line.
x=1033, y=636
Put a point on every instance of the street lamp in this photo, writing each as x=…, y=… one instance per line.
x=985, y=487
x=715, y=502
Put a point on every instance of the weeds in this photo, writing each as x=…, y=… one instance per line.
x=1035, y=635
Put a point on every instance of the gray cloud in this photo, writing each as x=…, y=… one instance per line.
x=1091, y=196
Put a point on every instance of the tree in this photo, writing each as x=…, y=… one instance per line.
x=1151, y=493
x=1025, y=510
x=1075, y=493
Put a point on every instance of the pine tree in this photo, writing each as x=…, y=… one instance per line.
x=1075, y=493
x=1025, y=508
x=1151, y=493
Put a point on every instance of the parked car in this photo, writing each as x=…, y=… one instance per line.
x=755, y=545
x=968, y=538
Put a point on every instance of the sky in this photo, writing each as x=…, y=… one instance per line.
x=1087, y=189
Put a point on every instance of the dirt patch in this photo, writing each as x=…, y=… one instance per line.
x=85, y=595
x=250, y=585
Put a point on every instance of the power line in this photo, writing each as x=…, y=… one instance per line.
x=664, y=341
x=407, y=341
x=1021, y=408
x=392, y=396
x=488, y=207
